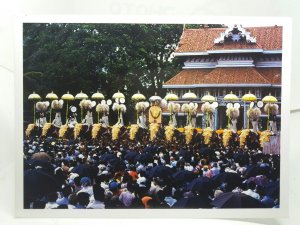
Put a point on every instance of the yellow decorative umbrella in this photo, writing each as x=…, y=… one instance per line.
x=67, y=97
x=51, y=96
x=189, y=95
x=208, y=98
x=231, y=97
x=118, y=95
x=81, y=96
x=249, y=97
x=171, y=97
x=138, y=97
x=269, y=99
x=34, y=97
x=97, y=96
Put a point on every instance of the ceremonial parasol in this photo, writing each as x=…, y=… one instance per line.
x=138, y=97
x=208, y=98
x=51, y=96
x=81, y=96
x=229, y=98
x=97, y=96
x=249, y=98
x=155, y=98
x=67, y=97
x=171, y=97
x=269, y=99
x=189, y=95
x=34, y=97
x=118, y=95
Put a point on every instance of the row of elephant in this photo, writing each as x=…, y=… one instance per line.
x=156, y=132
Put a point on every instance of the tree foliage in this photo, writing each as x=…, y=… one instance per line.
x=105, y=57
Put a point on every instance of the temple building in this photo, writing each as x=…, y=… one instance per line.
x=223, y=60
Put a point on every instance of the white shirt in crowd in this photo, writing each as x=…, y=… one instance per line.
x=51, y=205
x=251, y=193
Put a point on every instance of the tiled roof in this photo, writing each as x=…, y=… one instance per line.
x=199, y=40
x=193, y=76
x=248, y=75
x=271, y=74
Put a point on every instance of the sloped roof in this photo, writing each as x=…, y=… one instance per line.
x=201, y=40
x=271, y=74
x=237, y=75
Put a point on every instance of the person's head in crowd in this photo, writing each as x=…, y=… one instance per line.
x=98, y=193
x=83, y=199
x=252, y=185
x=145, y=201
x=85, y=181
x=217, y=193
x=66, y=191
x=113, y=187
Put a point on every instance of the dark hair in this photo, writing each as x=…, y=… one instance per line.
x=77, y=181
x=98, y=193
x=51, y=197
x=251, y=185
x=66, y=190
x=83, y=198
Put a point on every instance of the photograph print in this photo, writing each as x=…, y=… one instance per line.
x=151, y=116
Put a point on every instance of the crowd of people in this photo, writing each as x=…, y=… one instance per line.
x=95, y=174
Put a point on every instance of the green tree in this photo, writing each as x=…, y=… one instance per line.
x=108, y=57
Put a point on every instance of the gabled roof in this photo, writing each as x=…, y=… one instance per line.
x=202, y=40
x=238, y=75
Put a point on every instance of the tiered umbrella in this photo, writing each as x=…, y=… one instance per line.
x=98, y=96
x=208, y=98
x=230, y=98
x=81, y=96
x=249, y=98
x=67, y=97
x=34, y=97
x=189, y=95
x=118, y=95
x=138, y=97
x=269, y=99
x=51, y=96
x=171, y=97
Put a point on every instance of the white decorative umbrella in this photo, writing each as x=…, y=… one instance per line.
x=138, y=97
x=189, y=95
x=97, y=96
